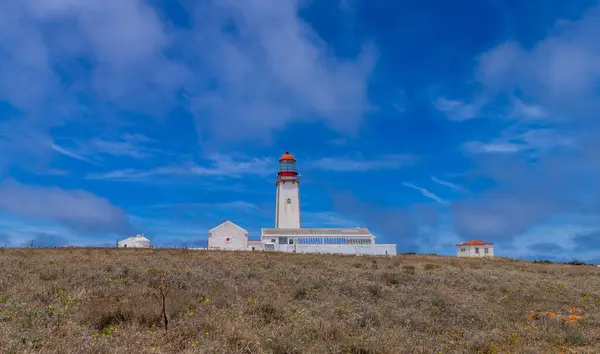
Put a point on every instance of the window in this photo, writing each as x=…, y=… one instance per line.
x=273, y=240
x=476, y=250
x=253, y=248
x=485, y=250
x=289, y=201
x=283, y=240
x=291, y=241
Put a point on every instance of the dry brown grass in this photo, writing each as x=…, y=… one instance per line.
x=109, y=301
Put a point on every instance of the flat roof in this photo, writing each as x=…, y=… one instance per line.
x=474, y=243
x=318, y=231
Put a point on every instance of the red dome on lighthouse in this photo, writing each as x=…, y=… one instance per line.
x=287, y=166
x=287, y=157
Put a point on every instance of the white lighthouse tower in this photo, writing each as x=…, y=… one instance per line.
x=287, y=209
x=288, y=236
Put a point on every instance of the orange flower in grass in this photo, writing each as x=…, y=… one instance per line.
x=552, y=315
x=573, y=318
x=574, y=310
x=530, y=315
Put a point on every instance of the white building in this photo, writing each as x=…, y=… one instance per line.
x=228, y=236
x=137, y=241
x=475, y=248
x=289, y=236
x=318, y=240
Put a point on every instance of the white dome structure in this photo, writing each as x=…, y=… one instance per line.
x=137, y=241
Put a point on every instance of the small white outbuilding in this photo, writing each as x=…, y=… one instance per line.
x=475, y=248
x=137, y=241
x=228, y=236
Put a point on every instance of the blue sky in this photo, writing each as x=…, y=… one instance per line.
x=429, y=123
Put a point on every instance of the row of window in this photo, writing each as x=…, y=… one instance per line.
x=325, y=240
x=485, y=250
x=359, y=241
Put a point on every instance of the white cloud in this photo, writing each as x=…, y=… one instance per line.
x=426, y=193
x=76, y=209
x=525, y=110
x=273, y=68
x=561, y=72
x=346, y=164
x=270, y=68
x=457, y=110
x=497, y=147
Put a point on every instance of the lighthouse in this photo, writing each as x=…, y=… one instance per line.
x=287, y=205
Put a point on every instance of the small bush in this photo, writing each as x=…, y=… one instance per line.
x=109, y=319
x=375, y=290
x=430, y=266
x=392, y=278
x=302, y=292
x=48, y=274
x=574, y=337
x=352, y=349
x=408, y=269
x=268, y=313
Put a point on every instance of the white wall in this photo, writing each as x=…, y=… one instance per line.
x=256, y=244
x=238, y=237
x=376, y=249
x=469, y=251
x=134, y=243
x=288, y=215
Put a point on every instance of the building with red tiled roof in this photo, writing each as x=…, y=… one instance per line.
x=475, y=248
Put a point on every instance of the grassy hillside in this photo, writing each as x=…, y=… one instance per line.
x=109, y=301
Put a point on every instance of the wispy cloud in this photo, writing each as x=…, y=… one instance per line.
x=72, y=154
x=493, y=147
x=347, y=164
x=326, y=219
x=95, y=149
x=127, y=145
x=219, y=166
x=237, y=204
x=516, y=139
x=450, y=185
x=426, y=193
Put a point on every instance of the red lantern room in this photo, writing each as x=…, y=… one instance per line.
x=287, y=167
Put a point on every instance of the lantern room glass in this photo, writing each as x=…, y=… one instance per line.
x=287, y=166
